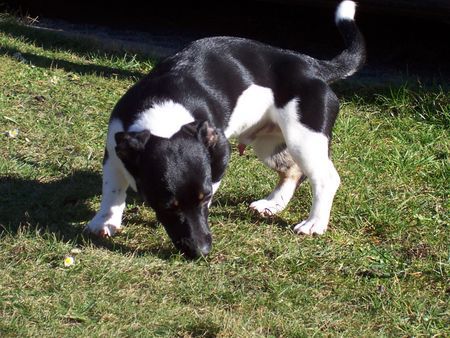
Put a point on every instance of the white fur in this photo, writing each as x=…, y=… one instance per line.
x=114, y=127
x=163, y=119
x=264, y=147
x=108, y=219
x=251, y=108
x=116, y=180
x=215, y=187
x=277, y=200
x=254, y=107
x=345, y=11
x=308, y=148
x=310, y=151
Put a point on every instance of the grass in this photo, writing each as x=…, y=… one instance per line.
x=381, y=270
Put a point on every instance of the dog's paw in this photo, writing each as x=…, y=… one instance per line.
x=266, y=208
x=311, y=227
x=102, y=230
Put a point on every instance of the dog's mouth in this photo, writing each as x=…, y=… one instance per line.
x=194, y=248
x=189, y=232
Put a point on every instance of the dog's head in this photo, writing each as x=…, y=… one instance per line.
x=174, y=176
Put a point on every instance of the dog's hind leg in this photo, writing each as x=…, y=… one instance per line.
x=310, y=150
x=275, y=155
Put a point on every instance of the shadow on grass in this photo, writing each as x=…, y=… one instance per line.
x=48, y=41
x=55, y=205
x=60, y=207
x=81, y=69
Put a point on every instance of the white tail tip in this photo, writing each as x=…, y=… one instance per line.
x=345, y=11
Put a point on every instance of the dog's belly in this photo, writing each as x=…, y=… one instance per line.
x=262, y=130
x=253, y=115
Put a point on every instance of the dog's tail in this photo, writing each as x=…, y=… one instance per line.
x=354, y=55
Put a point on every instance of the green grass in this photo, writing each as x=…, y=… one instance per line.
x=381, y=270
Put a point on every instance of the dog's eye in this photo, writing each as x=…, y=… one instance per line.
x=173, y=204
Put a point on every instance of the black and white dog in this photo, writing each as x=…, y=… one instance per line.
x=168, y=135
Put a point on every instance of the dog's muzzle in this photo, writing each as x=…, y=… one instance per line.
x=194, y=248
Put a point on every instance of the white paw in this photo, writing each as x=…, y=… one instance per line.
x=101, y=229
x=311, y=227
x=266, y=208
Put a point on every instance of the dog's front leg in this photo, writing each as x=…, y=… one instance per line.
x=108, y=219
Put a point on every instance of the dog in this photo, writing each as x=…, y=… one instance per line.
x=168, y=135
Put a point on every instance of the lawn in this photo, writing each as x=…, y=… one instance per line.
x=381, y=270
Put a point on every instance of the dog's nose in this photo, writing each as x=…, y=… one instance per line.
x=195, y=249
x=204, y=250
x=205, y=247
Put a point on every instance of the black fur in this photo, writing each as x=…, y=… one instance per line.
x=207, y=77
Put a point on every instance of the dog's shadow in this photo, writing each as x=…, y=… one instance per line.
x=61, y=207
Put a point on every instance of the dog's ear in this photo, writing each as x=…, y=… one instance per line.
x=190, y=128
x=208, y=134
x=203, y=131
x=130, y=143
x=216, y=143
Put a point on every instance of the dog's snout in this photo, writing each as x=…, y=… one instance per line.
x=196, y=248
x=204, y=250
x=206, y=247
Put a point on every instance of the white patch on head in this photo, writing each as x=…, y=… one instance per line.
x=163, y=119
x=345, y=11
x=252, y=107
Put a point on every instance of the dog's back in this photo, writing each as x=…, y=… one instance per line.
x=168, y=134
